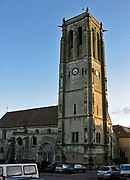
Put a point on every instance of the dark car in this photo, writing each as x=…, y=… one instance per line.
x=51, y=168
x=69, y=169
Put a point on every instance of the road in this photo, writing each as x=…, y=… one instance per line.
x=61, y=176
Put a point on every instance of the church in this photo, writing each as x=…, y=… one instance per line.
x=79, y=128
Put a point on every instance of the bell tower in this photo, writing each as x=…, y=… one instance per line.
x=83, y=105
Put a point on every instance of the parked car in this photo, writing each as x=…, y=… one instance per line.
x=108, y=172
x=19, y=170
x=61, y=168
x=51, y=168
x=71, y=168
x=124, y=171
x=23, y=178
x=79, y=168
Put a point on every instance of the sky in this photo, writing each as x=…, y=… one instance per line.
x=30, y=52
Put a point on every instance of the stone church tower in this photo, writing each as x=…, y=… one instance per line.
x=79, y=129
x=83, y=119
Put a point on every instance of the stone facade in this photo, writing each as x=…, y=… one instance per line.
x=29, y=135
x=82, y=130
x=83, y=121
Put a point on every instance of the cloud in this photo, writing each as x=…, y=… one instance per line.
x=116, y=112
x=125, y=110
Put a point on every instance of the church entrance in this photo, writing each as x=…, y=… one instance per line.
x=48, y=154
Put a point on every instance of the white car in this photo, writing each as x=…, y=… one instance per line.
x=108, y=172
x=21, y=170
x=124, y=171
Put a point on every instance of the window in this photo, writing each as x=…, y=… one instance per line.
x=98, y=47
x=37, y=131
x=4, y=134
x=98, y=137
x=82, y=71
x=93, y=42
x=79, y=35
x=79, y=41
x=68, y=74
x=71, y=39
x=74, y=108
x=29, y=170
x=70, y=44
x=14, y=170
x=49, y=130
x=75, y=137
x=19, y=141
x=34, y=141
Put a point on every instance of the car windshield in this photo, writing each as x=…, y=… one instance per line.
x=125, y=167
x=114, y=168
x=70, y=165
x=104, y=168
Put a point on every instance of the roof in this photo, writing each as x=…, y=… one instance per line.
x=121, y=131
x=30, y=117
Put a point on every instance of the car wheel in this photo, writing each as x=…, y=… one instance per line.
x=112, y=177
x=64, y=171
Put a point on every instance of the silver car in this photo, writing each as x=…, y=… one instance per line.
x=108, y=172
x=61, y=168
x=124, y=171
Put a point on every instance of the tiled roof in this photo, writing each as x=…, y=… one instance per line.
x=121, y=131
x=30, y=117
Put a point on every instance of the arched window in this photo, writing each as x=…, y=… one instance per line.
x=37, y=131
x=72, y=136
x=93, y=42
x=79, y=41
x=34, y=141
x=98, y=47
x=70, y=44
x=98, y=137
x=80, y=35
x=74, y=108
x=77, y=137
x=19, y=141
x=4, y=134
x=49, y=131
